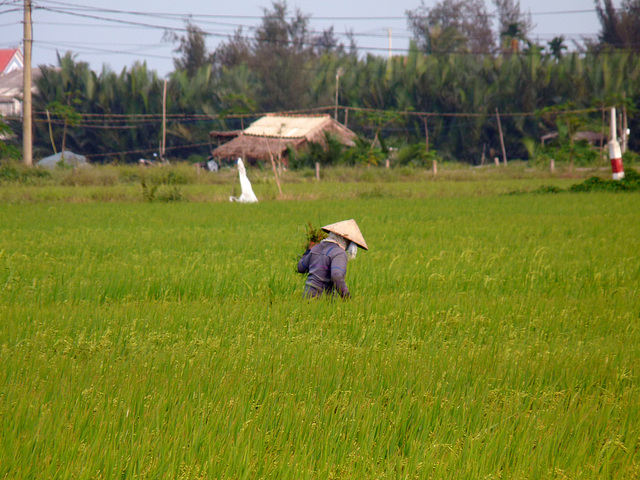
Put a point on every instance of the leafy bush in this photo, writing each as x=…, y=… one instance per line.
x=149, y=189
x=18, y=173
x=415, y=155
x=548, y=189
x=7, y=151
x=152, y=179
x=630, y=158
x=630, y=183
x=332, y=154
x=583, y=155
x=364, y=154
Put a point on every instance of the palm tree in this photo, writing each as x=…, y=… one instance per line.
x=556, y=46
x=512, y=36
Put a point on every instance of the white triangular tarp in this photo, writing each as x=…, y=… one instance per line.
x=247, y=195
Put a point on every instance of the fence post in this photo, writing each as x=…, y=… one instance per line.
x=317, y=171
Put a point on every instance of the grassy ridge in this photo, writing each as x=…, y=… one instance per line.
x=487, y=336
x=180, y=182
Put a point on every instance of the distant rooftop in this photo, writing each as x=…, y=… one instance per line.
x=10, y=60
x=286, y=126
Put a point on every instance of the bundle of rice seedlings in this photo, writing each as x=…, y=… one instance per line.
x=314, y=235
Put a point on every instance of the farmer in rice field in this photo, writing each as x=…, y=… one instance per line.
x=326, y=262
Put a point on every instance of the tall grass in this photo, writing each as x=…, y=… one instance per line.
x=487, y=337
x=182, y=182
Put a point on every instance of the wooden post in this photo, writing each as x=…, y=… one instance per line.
x=273, y=165
x=552, y=165
x=197, y=169
x=602, y=135
x=335, y=115
x=434, y=167
x=426, y=135
x=275, y=172
x=504, y=151
x=624, y=137
x=387, y=163
x=346, y=116
x=318, y=171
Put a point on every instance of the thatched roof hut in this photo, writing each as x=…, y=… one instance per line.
x=270, y=136
x=594, y=138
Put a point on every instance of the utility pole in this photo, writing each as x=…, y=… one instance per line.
x=164, y=121
x=27, y=129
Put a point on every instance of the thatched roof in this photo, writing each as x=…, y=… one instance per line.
x=225, y=133
x=594, y=138
x=271, y=135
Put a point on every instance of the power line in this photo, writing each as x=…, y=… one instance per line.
x=149, y=119
x=114, y=20
x=72, y=6
x=106, y=16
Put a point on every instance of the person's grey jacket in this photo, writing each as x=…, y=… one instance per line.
x=326, y=264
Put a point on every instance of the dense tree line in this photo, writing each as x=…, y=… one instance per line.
x=453, y=67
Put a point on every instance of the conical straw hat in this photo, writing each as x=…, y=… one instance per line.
x=349, y=230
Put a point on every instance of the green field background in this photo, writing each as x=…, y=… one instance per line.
x=488, y=337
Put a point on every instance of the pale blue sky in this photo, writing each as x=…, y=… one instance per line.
x=101, y=34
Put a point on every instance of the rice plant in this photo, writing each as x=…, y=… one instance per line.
x=487, y=337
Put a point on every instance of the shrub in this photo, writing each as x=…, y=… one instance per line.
x=584, y=155
x=630, y=183
x=415, y=156
x=90, y=176
x=172, y=195
x=19, y=173
x=331, y=154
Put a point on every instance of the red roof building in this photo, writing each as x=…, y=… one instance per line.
x=10, y=60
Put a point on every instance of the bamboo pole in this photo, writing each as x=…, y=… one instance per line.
x=53, y=144
x=275, y=172
x=504, y=151
x=273, y=165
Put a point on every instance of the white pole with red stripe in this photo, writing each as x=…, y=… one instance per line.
x=615, y=154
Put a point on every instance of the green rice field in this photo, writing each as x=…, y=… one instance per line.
x=490, y=336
